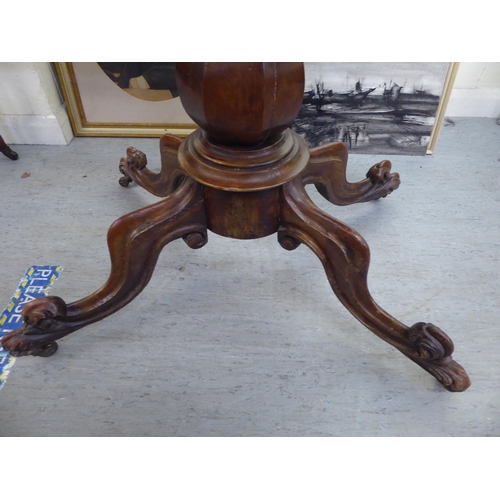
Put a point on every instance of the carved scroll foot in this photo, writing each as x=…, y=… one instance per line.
x=133, y=168
x=382, y=181
x=125, y=180
x=135, y=242
x=432, y=351
x=327, y=171
x=345, y=257
x=43, y=324
x=135, y=161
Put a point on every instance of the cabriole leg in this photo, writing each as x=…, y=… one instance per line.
x=134, y=168
x=345, y=257
x=327, y=171
x=135, y=242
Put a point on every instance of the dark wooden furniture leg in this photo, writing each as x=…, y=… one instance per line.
x=242, y=175
x=345, y=257
x=133, y=168
x=327, y=171
x=4, y=149
x=135, y=242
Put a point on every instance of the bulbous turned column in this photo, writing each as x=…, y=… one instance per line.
x=241, y=103
x=244, y=150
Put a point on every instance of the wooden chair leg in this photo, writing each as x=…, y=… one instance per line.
x=5, y=150
x=345, y=256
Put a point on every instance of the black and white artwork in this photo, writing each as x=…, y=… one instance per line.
x=375, y=108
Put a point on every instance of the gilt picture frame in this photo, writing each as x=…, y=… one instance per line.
x=97, y=106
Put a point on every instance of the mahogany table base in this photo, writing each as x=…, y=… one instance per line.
x=193, y=202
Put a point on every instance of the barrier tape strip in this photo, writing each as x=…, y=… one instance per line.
x=35, y=284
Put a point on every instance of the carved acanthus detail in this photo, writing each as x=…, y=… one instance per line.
x=135, y=160
x=432, y=351
x=43, y=324
x=430, y=341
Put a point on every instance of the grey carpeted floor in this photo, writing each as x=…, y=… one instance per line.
x=242, y=338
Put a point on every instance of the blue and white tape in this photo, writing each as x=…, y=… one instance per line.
x=35, y=284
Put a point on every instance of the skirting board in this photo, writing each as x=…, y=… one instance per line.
x=37, y=129
x=478, y=103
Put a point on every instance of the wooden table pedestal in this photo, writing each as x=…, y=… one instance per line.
x=242, y=175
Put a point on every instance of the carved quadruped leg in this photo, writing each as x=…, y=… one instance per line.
x=133, y=168
x=345, y=257
x=327, y=171
x=135, y=242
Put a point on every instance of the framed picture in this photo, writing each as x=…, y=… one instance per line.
x=376, y=108
x=123, y=99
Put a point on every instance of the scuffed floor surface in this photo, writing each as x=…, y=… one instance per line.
x=242, y=338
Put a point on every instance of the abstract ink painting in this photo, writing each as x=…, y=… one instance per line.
x=374, y=108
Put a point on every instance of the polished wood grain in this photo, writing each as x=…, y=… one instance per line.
x=345, y=257
x=241, y=104
x=327, y=171
x=133, y=167
x=242, y=175
x=135, y=242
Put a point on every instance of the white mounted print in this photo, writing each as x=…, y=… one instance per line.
x=374, y=108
